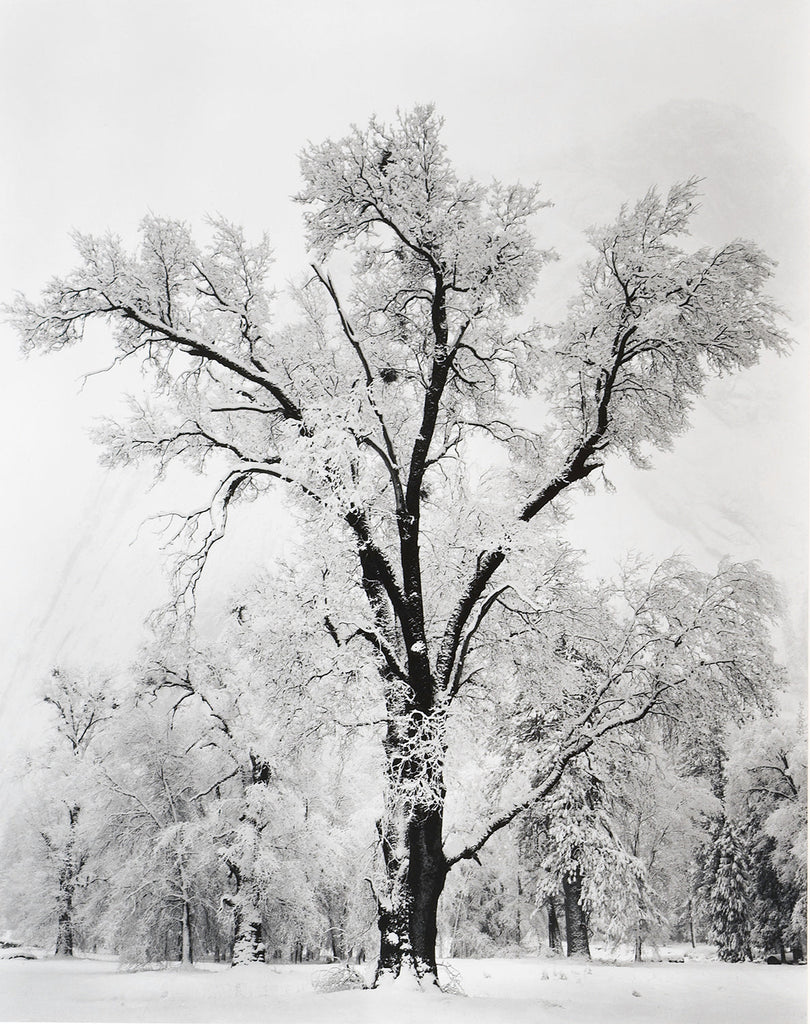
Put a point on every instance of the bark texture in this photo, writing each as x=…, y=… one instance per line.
x=554, y=933
x=186, y=947
x=248, y=947
x=576, y=923
x=71, y=865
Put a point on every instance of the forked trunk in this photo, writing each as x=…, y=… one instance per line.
x=576, y=922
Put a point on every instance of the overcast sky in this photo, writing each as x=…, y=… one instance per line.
x=112, y=109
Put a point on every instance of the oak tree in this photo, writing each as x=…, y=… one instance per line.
x=371, y=408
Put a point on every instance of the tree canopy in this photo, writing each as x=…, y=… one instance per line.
x=411, y=361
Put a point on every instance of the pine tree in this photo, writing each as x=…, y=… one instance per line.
x=726, y=892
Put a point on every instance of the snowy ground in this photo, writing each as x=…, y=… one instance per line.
x=526, y=991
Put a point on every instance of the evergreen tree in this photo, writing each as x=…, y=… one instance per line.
x=726, y=891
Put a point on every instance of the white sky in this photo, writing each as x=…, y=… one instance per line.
x=109, y=109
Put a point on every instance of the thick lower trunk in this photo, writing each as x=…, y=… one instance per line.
x=411, y=827
x=394, y=940
x=576, y=923
x=426, y=877
x=248, y=947
x=407, y=919
x=638, y=950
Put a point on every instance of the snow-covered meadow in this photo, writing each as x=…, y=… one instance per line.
x=697, y=991
x=426, y=630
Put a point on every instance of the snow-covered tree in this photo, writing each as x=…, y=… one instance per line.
x=726, y=891
x=369, y=408
x=659, y=818
x=288, y=813
x=766, y=793
x=53, y=828
x=154, y=779
x=582, y=859
x=487, y=907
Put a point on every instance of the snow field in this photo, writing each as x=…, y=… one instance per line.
x=498, y=991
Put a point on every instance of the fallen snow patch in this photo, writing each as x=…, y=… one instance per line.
x=498, y=990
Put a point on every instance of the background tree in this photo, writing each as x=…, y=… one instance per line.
x=287, y=815
x=155, y=778
x=766, y=774
x=660, y=819
x=367, y=409
x=487, y=906
x=52, y=832
x=725, y=887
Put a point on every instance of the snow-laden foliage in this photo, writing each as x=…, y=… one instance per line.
x=766, y=793
x=283, y=813
x=659, y=818
x=443, y=597
x=652, y=320
x=725, y=890
x=52, y=829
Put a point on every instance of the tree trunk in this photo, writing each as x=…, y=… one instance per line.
x=64, y=935
x=554, y=933
x=248, y=947
x=637, y=954
x=518, y=916
x=67, y=885
x=576, y=924
x=186, y=950
x=411, y=843
x=427, y=874
x=407, y=916
x=336, y=933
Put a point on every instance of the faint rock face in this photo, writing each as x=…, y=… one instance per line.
x=753, y=181
x=754, y=187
